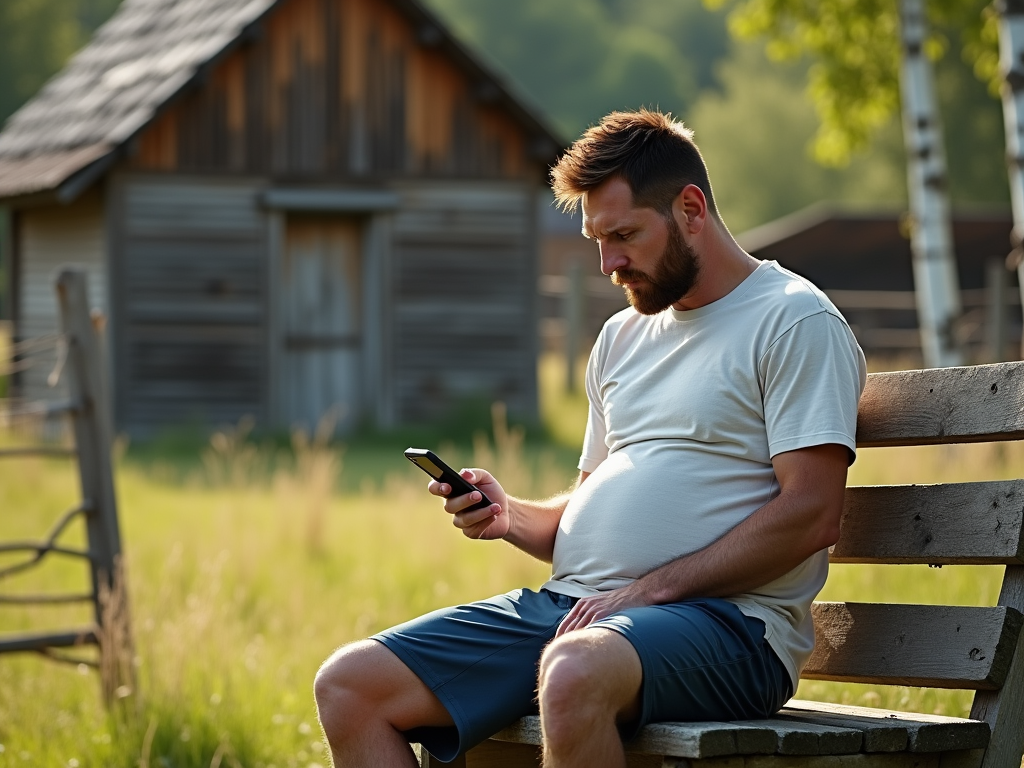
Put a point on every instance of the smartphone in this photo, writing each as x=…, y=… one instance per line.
x=437, y=469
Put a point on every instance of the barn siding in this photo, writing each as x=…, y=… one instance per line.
x=464, y=322
x=343, y=88
x=49, y=238
x=191, y=268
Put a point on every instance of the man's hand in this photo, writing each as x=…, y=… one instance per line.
x=491, y=522
x=591, y=609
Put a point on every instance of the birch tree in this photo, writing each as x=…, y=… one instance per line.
x=872, y=57
x=1011, y=70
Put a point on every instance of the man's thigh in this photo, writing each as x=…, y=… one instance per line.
x=480, y=660
x=702, y=660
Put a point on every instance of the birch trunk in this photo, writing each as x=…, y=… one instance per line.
x=1011, y=64
x=935, y=277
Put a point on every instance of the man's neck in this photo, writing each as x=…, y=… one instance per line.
x=723, y=266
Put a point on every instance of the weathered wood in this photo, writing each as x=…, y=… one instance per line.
x=707, y=739
x=957, y=759
x=882, y=728
x=799, y=738
x=924, y=645
x=879, y=735
x=40, y=640
x=861, y=760
x=943, y=405
x=1003, y=710
x=962, y=523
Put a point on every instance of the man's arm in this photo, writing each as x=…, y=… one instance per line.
x=801, y=520
x=529, y=525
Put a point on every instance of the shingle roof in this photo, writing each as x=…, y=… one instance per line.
x=147, y=52
x=136, y=61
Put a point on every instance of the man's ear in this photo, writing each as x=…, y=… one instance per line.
x=690, y=209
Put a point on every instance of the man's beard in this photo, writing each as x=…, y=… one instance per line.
x=674, y=276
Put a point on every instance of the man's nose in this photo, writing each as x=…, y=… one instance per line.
x=612, y=258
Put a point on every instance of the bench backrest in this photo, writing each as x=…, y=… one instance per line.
x=953, y=524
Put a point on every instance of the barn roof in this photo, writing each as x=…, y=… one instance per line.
x=870, y=250
x=70, y=133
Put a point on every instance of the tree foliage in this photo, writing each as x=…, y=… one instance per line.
x=855, y=49
x=579, y=59
x=37, y=37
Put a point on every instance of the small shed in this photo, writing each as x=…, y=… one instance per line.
x=285, y=206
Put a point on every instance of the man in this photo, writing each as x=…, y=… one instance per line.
x=722, y=418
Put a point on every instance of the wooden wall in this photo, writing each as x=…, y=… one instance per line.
x=338, y=89
x=464, y=292
x=49, y=238
x=190, y=274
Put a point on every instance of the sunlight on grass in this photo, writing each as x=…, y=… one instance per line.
x=246, y=570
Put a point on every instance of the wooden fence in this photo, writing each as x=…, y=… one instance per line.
x=885, y=322
x=82, y=371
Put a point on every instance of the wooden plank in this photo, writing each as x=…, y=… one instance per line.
x=923, y=645
x=1004, y=710
x=708, y=739
x=860, y=760
x=879, y=735
x=962, y=523
x=37, y=641
x=943, y=405
x=794, y=737
x=922, y=732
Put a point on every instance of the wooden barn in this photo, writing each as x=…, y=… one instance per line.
x=862, y=260
x=284, y=206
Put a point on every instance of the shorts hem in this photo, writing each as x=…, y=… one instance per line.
x=418, y=668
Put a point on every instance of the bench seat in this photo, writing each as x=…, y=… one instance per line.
x=933, y=646
x=806, y=733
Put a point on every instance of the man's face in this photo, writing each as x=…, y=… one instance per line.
x=642, y=250
x=675, y=274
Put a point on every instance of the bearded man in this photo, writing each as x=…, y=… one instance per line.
x=722, y=417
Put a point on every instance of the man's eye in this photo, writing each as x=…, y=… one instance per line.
x=624, y=235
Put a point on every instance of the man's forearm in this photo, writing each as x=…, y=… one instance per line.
x=771, y=542
x=752, y=554
x=533, y=524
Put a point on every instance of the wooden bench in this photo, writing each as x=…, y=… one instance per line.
x=918, y=645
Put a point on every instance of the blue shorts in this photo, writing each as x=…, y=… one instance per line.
x=702, y=660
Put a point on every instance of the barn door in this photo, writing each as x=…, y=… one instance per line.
x=319, y=313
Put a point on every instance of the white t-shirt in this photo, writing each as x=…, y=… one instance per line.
x=687, y=409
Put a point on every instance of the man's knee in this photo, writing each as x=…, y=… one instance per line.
x=342, y=686
x=596, y=670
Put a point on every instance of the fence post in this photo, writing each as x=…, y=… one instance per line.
x=93, y=441
x=995, y=310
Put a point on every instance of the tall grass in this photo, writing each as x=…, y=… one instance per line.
x=249, y=565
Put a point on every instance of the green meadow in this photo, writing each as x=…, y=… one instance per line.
x=249, y=560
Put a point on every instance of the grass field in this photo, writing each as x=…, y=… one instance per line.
x=249, y=562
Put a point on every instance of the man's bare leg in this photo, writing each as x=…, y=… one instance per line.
x=590, y=680
x=365, y=698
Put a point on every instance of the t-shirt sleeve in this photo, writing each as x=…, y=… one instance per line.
x=812, y=377
x=595, y=449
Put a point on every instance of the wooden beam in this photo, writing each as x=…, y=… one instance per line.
x=40, y=641
x=886, y=730
x=935, y=646
x=963, y=523
x=980, y=403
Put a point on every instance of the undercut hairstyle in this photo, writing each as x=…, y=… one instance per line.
x=652, y=152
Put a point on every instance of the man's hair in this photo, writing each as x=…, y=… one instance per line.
x=652, y=152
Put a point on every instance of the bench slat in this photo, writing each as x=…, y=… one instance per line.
x=934, y=646
x=890, y=731
x=943, y=405
x=692, y=740
x=800, y=738
x=960, y=523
